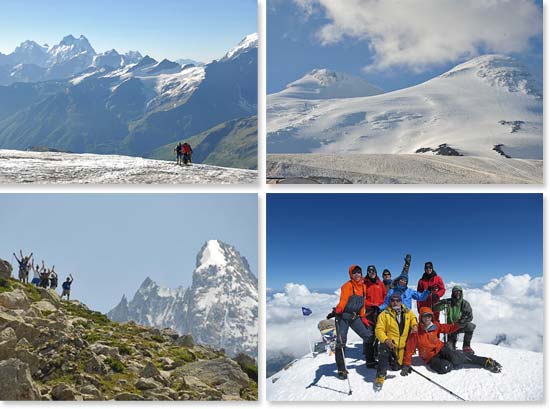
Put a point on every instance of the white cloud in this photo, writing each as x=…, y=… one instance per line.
x=418, y=33
x=511, y=305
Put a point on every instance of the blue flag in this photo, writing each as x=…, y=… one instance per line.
x=306, y=311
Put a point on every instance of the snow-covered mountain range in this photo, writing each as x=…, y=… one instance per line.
x=71, y=56
x=219, y=309
x=68, y=97
x=314, y=379
x=488, y=106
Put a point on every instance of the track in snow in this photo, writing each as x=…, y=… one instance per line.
x=404, y=168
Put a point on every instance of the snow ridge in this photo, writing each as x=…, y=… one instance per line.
x=247, y=43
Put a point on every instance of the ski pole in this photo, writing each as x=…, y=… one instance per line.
x=343, y=353
x=435, y=383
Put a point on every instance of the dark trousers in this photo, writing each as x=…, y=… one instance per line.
x=468, y=331
x=387, y=359
x=448, y=359
x=342, y=327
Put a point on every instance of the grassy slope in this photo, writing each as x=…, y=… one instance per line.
x=232, y=144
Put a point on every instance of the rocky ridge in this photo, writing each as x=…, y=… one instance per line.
x=58, y=350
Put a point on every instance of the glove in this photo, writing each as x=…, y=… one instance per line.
x=331, y=314
x=408, y=259
x=339, y=310
x=405, y=370
x=365, y=321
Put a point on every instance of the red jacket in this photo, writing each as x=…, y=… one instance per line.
x=376, y=292
x=427, y=341
x=435, y=296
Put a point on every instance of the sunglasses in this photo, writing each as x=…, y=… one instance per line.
x=395, y=300
x=386, y=275
x=356, y=272
x=370, y=271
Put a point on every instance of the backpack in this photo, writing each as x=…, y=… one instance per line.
x=187, y=148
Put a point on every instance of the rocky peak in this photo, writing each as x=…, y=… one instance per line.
x=219, y=309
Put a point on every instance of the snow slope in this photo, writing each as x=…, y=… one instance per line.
x=403, y=168
x=314, y=379
x=471, y=108
x=53, y=167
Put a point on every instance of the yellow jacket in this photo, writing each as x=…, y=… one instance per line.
x=388, y=327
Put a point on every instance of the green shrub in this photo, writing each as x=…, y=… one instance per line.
x=115, y=364
x=183, y=354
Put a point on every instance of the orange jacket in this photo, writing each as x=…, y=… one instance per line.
x=427, y=341
x=350, y=288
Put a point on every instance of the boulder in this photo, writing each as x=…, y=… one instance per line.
x=198, y=390
x=8, y=341
x=170, y=333
x=101, y=349
x=94, y=365
x=85, y=379
x=90, y=392
x=5, y=269
x=50, y=295
x=34, y=361
x=147, y=383
x=23, y=330
x=16, y=381
x=15, y=300
x=223, y=373
x=127, y=396
x=45, y=306
x=167, y=364
x=185, y=341
x=63, y=391
x=149, y=371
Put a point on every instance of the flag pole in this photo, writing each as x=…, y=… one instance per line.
x=308, y=339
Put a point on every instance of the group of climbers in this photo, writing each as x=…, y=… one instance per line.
x=184, y=153
x=43, y=277
x=380, y=312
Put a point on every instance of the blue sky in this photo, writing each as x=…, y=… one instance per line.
x=112, y=242
x=313, y=239
x=198, y=29
x=394, y=45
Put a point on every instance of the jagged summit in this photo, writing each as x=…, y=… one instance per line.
x=220, y=308
x=323, y=83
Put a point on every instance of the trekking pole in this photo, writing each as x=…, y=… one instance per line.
x=446, y=320
x=343, y=353
x=435, y=383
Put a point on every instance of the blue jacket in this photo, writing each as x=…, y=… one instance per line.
x=407, y=295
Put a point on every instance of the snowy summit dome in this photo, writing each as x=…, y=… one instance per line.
x=326, y=84
x=499, y=71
